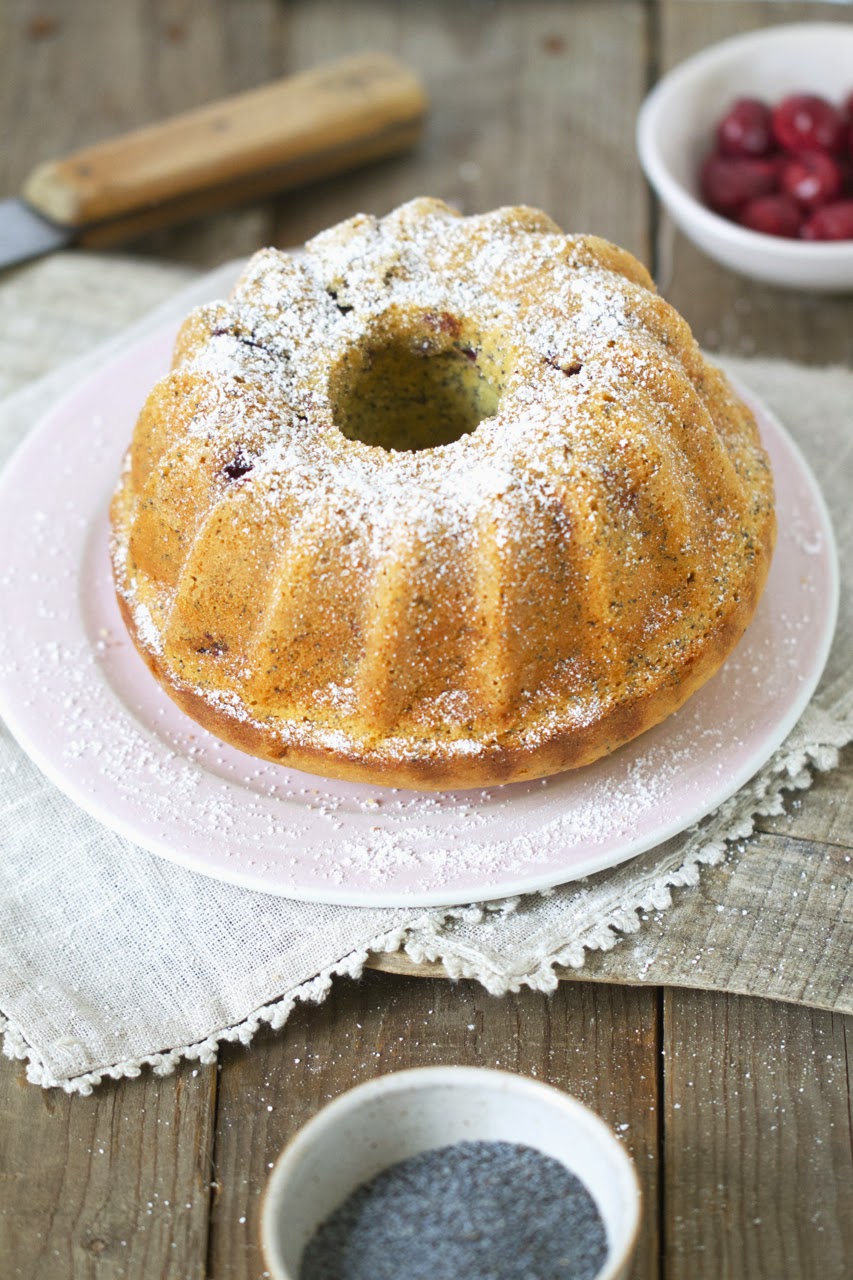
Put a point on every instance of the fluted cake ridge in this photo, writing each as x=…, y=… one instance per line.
x=440, y=502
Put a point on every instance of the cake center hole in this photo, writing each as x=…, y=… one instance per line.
x=406, y=397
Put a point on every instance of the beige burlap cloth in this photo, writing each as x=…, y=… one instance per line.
x=112, y=958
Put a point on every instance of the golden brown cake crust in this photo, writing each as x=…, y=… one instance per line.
x=320, y=577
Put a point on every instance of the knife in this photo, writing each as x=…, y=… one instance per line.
x=307, y=126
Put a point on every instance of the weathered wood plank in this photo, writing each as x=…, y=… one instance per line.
x=113, y=1185
x=114, y=67
x=599, y=1044
x=757, y=1141
x=726, y=311
x=529, y=126
x=824, y=813
x=756, y=1126
x=774, y=919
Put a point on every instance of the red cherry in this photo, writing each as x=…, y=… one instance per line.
x=728, y=182
x=847, y=107
x=845, y=168
x=832, y=222
x=778, y=215
x=805, y=122
x=746, y=129
x=812, y=178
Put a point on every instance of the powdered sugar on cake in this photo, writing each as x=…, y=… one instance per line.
x=590, y=345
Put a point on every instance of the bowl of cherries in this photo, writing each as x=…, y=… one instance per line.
x=749, y=145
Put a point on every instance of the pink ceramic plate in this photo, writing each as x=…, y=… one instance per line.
x=82, y=704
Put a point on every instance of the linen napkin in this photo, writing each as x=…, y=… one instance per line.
x=112, y=958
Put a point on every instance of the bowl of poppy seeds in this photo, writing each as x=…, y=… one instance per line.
x=447, y=1172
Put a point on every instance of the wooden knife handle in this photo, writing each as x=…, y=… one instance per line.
x=311, y=125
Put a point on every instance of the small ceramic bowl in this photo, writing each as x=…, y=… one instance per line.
x=400, y=1115
x=676, y=125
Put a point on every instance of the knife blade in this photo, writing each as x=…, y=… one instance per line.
x=24, y=234
x=320, y=122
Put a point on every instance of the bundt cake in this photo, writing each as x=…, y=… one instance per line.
x=440, y=502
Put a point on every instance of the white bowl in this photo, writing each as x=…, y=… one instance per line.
x=675, y=130
x=400, y=1115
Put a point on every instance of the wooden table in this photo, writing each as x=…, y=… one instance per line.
x=736, y=1110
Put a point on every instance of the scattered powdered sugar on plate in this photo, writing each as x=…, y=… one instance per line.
x=82, y=703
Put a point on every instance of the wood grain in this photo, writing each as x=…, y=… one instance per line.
x=113, y=1185
x=114, y=67
x=825, y=813
x=530, y=127
x=757, y=1136
x=757, y=1140
x=774, y=919
x=600, y=1044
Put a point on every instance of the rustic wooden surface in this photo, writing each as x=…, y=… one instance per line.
x=776, y=918
x=736, y=1109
